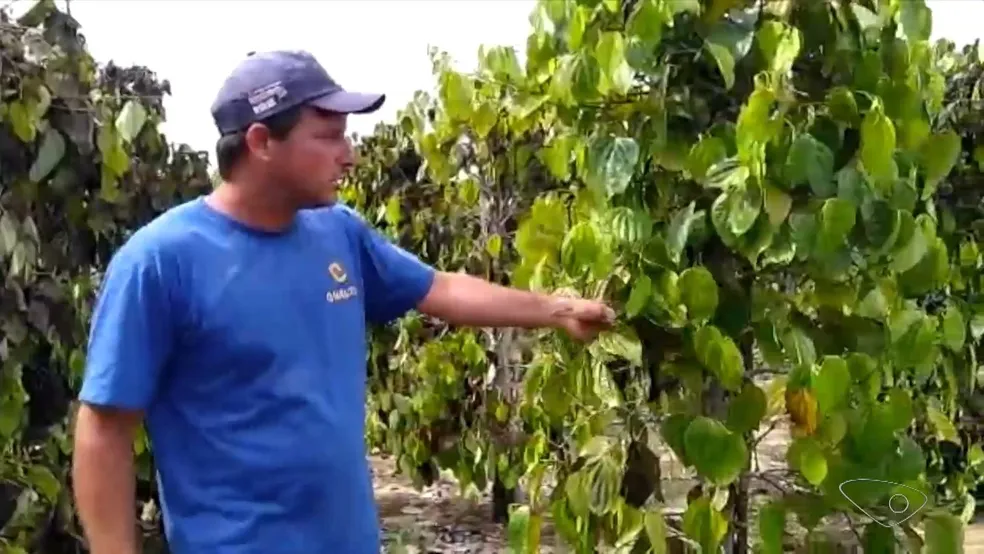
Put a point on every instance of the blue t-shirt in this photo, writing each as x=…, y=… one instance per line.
x=247, y=351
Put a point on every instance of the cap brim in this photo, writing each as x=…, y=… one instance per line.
x=349, y=102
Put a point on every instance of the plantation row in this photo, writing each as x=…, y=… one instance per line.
x=783, y=199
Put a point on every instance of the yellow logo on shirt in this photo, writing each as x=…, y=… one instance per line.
x=337, y=273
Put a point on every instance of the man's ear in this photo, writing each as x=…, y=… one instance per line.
x=258, y=141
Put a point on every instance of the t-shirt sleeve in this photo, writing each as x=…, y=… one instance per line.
x=131, y=333
x=395, y=280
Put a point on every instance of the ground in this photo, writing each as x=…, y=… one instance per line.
x=438, y=520
x=435, y=520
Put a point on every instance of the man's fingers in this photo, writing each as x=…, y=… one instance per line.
x=596, y=311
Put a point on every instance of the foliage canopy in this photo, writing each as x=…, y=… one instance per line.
x=783, y=198
x=81, y=165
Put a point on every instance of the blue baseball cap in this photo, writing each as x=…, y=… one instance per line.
x=268, y=83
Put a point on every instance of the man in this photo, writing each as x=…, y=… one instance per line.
x=235, y=325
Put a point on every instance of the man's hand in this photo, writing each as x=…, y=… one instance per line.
x=583, y=319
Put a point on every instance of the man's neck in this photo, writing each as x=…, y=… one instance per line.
x=251, y=208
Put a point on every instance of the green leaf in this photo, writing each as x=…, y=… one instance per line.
x=115, y=160
x=699, y=293
x=878, y=145
x=642, y=288
x=674, y=430
x=725, y=61
x=707, y=152
x=493, y=246
x=842, y=105
x=772, y=528
x=943, y=424
x=851, y=185
x=811, y=162
x=605, y=477
x=518, y=529
x=131, y=120
x=623, y=343
x=655, y=527
x=679, y=231
x=954, y=328
x=777, y=204
x=938, y=156
x=51, y=152
x=501, y=62
x=718, y=454
x=647, y=21
x=611, y=163
x=837, y=219
x=899, y=409
x=616, y=74
x=728, y=42
x=746, y=410
x=831, y=384
x=916, y=20
x=44, y=481
x=806, y=456
x=799, y=347
x=576, y=26
x=910, y=246
x=944, y=533
x=457, y=93
x=557, y=156
x=578, y=492
x=779, y=44
x=725, y=174
x=719, y=354
x=484, y=119
x=21, y=121
x=744, y=207
x=704, y=524
x=879, y=538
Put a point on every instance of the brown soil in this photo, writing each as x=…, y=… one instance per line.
x=440, y=520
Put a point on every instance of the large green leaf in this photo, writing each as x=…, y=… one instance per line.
x=746, y=410
x=728, y=42
x=611, y=163
x=718, y=454
x=832, y=384
x=719, y=354
x=939, y=154
x=878, y=145
x=811, y=162
x=699, y=293
x=944, y=534
x=779, y=44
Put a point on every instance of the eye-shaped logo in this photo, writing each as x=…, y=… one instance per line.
x=888, y=503
x=337, y=272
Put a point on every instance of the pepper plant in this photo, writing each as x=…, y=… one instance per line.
x=783, y=201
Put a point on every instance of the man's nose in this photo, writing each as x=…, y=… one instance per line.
x=348, y=156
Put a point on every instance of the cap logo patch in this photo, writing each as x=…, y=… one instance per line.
x=266, y=98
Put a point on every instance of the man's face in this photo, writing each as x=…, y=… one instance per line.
x=313, y=158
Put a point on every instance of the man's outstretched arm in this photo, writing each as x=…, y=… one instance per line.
x=462, y=299
x=397, y=281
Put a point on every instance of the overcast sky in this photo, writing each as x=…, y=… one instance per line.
x=371, y=45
